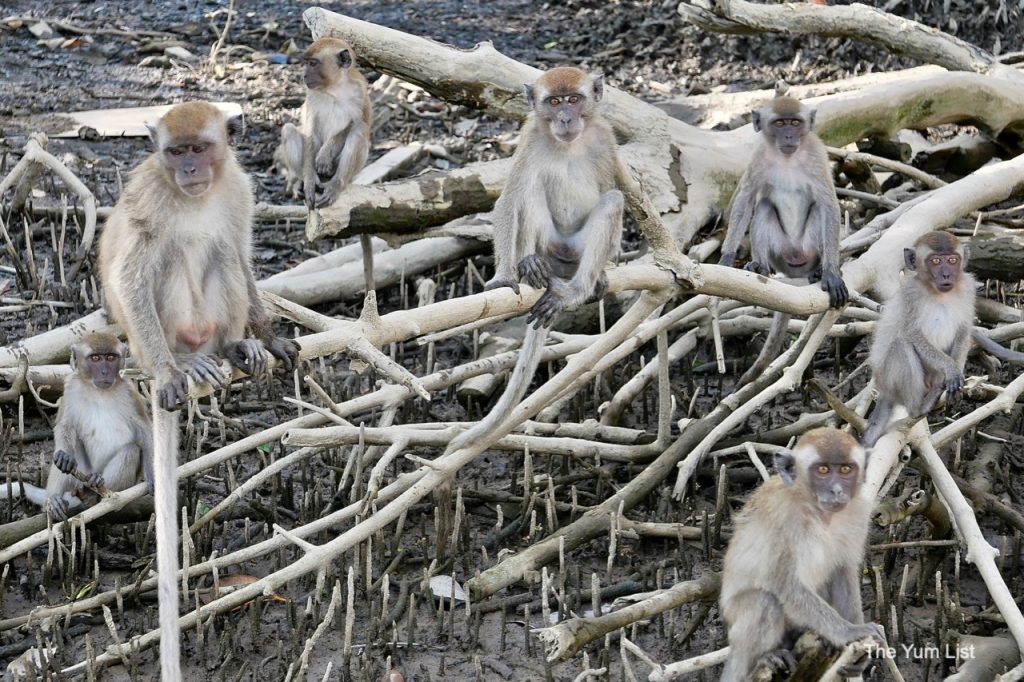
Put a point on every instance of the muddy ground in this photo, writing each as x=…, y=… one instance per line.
x=643, y=48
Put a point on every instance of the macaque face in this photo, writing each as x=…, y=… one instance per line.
x=833, y=482
x=943, y=270
x=564, y=113
x=102, y=368
x=787, y=132
x=193, y=164
x=323, y=67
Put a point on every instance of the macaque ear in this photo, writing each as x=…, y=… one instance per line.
x=910, y=258
x=785, y=464
x=73, y=360
x=598, y=87
x=755, y=118
x=234, y=126
x=966, y=256
x=345, y=59
x=528, y=91
x=153, y=136
x=811, y=113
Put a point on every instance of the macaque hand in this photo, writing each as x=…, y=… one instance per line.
x=758, y=268
x=248, y=355
x=285, y=350
x=534, y=271
x=57, y=508
x=172, y=391
x=330, y=195
x=835, y=287
x=96, y=481
x=545, y=310
x=309, y=194
x=727, y=260
x=954, y=382
x=498, y=283
x=203, y=368
x=64, y=462
x=326, y=162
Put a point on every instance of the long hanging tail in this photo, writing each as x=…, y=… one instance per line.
x=522, y=375
x=990, y=346
x=770, y=349
x=33, y=494
x=165, y=458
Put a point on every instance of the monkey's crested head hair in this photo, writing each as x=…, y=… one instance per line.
x=189, y=117
x=561, y=80
x=829, y=443
x=939, y=242
x=328, y=44
x=98, y=342
x=786, y=106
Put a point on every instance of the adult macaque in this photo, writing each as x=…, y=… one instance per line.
x=102, y=427
x=174, y=263
x=333, y=141
x=558, y=221
x=787, y=200
x=794, y=558
x=174, y=258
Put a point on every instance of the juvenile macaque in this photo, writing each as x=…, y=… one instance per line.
x=558, y=221
x=102, y=427
x=333, y=142
x=174, y=258
x=922, y=339
x=793, y=562
x=788, y=202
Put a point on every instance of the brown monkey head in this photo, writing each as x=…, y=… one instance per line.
x=98, y=358
x=939, y=259
x=192, y=140
x=563, y=99
x=826, y=467
x=784, y=122
x=327, y=62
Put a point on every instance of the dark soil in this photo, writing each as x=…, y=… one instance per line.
x=642, y=47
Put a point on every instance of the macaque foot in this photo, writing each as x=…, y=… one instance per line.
x=727, y=260
x=545, y=310
x=248, y=355
x=325, y=163
x=203, y=368
x=600, y=289
x=329, y=196
x=57, y=508
x=758, y=268
x=64, y=462
x=774, y=664
x=835, y=287
x=285, y=350
x=534, y=271
x=173, y=390
x=499, y=282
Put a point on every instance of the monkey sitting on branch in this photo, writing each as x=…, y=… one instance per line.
x=558, y=221
x=175, y=258
x=788, y=202
x=793, y=562
x=102, y=438
x=333, y=142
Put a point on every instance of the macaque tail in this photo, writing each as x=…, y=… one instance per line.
x=990, y=346
x=522, y=375
x=33, y=494
x=165, y=469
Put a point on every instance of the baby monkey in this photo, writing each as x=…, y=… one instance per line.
x=102, y=430
x=794, y=559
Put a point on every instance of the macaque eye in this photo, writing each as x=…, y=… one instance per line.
x=779, y=123
x=554, y=101
x=796, y=123
x=175, y=151
x=198, y=148
x=95, y=357
x=823, y=469
x=574, y=99
x=936, y=261
x=111, y=357
x=953, y=260
x=845, y=469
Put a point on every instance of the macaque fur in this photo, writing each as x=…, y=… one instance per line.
x=333, y=142
x=787, y=201
x=793, y=562
x=174, y=263
x=174, y=258
x=558, y=221
x=102, y=426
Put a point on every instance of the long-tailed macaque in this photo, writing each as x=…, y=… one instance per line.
x=788, y=202
x=102, y=427
x=794, y=558
x=922, y=339
x=174, y=262
x=333, y=141
x=174, y=258
x=558, y=221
